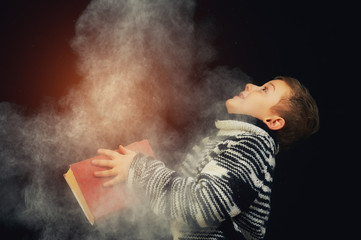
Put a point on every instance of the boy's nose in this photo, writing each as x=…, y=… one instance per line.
x=249, y=87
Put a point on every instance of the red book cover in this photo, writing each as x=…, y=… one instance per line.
x=96, y=200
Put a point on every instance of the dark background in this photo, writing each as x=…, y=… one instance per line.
x=309, y=40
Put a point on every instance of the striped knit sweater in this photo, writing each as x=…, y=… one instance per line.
x=223, y=188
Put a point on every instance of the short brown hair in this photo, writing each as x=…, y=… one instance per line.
x=300, y=112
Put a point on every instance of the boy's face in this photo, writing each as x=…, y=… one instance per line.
x=257, y=101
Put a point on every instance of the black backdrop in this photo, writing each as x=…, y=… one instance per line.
x=309, y=40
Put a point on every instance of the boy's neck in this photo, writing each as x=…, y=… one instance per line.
x=243, y=118
x=252, y=120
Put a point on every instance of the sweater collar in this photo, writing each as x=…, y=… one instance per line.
x=236, y=123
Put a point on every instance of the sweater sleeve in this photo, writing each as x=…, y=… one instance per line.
x=214, y=195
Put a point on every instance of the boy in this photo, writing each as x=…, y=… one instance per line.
x=223, y=189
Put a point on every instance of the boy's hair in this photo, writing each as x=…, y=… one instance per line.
x=299, y=111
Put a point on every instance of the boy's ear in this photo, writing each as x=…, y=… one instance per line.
x=274, y=122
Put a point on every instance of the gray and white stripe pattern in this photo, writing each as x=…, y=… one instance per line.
x=221, y=191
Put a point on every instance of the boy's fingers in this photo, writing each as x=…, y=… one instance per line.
x=103, y=163
x=109, y=153
x=122, y=149
x=106, y=173
x=112, y=182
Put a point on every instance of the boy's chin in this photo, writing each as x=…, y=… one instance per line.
x=229, y=107
x=233, y=111
x=232, y=108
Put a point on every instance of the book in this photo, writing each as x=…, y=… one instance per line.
x=95, y=200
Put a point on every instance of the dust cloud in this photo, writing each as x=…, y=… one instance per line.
x=144, y=66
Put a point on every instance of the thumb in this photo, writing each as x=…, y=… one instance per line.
x=123, y=150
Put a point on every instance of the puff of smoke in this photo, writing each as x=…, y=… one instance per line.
x=143, y=50
x=138, y=59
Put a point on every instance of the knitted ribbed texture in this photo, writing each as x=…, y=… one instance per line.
x=221, y=191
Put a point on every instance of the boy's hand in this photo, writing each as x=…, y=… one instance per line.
x=119, y=165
